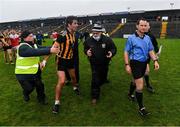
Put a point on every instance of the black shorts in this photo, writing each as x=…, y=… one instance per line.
x=7, y=47
x=148, y=60
x=138, y=68
x=64, y=64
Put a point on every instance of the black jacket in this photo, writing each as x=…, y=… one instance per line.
x=154, y=41
x=99, y=49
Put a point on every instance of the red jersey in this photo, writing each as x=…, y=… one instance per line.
x=14, y=39
x=55, y=35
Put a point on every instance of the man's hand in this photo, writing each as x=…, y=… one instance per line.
x=156, y=65
x=54, y=50
x=7, y=44
x=89, y=52
x=42, y=64
x=128, y=69
x=109, y=55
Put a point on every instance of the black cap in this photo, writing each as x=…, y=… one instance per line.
x=98, y=28
x=25, y=34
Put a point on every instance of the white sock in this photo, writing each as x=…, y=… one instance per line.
x=57, y=102
x=75, y=87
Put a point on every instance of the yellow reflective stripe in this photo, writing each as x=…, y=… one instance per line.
x=20, y=58
x=27, y=67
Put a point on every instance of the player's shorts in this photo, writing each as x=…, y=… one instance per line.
x=7, y=47
x=138, y=68
x=65, y=64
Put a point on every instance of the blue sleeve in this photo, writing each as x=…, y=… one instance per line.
x=26, y=51
x=128, y=45
x=40, y=46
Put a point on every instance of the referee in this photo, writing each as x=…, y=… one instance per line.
x=137, y=50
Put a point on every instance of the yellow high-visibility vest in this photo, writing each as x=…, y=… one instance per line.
x=26, y=65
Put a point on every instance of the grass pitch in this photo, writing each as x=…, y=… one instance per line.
x=113, y=109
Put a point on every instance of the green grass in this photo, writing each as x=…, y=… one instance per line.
x=113, y=107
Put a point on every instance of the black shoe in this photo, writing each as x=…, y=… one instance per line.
x=131, y=97
x=150, y=89
x=55, y=109
x=26, y=98
x=76, y=90
x=143, y=112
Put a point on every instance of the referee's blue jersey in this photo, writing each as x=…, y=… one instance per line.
x=138, y=48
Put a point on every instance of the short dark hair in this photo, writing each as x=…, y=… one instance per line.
x=24, y=34
x=69, y=20
x=138, y=21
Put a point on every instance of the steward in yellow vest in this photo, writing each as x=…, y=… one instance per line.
x=28, y=66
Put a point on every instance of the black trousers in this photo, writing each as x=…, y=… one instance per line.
x=99, y=75
x=29, y=85
x=106, y=69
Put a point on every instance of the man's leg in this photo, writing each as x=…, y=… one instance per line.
x=105, y=72
x=14, y=50
x=5, y=57
x=58, y=89
x=9, y=52
x=131, y=91
x=68, y=78
x=40, y=91
x=74, y=81
x=27, y=87
x=139, y=96
x=95, y=84
x=102, y=74
x=146, y=77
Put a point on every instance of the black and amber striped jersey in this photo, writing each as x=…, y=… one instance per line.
x=66, y=44
x=6, y=39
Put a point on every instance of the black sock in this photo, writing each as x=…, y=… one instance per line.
x=146, y=77
x=132, y=88
x=139, y=97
